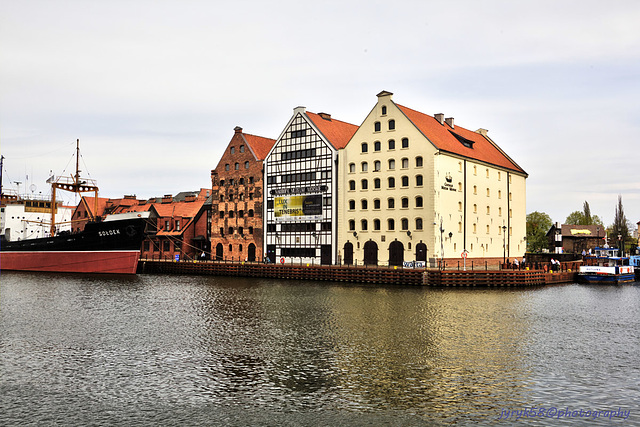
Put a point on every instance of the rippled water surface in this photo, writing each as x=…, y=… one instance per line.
x=180, y=350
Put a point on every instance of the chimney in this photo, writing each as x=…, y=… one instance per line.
x=483, y=132
x=449, y=121
x=167, y=198
x=237, y=129
x=325, y=116
x=439, y=117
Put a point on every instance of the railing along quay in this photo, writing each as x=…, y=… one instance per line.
x=360, y=274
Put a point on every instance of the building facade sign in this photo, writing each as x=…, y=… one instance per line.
x=294, y=208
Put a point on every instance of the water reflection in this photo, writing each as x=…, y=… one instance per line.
x=253, y=351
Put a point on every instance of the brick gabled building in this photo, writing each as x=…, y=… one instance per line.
x=237, y=197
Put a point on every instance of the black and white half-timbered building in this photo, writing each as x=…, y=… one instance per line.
x=301, y=184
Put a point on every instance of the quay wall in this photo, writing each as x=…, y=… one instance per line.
x=372, y=275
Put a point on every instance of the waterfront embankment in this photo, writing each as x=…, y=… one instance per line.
x=362, y=274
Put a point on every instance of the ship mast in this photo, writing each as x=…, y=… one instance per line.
x=75, y=185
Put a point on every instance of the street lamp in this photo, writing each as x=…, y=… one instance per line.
x=504, y=244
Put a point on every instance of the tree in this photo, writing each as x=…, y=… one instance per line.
x=620, y=226
x=584, y=217
x=538, y=224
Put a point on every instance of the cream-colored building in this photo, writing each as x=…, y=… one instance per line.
x=415, y=187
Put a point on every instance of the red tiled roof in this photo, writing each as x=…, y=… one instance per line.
x=259, y=145
x=90, y=202
x=440, y=135
x=338, y=133
x=179, y=209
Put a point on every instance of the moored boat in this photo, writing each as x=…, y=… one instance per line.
x=607, y=268
x=105, y=245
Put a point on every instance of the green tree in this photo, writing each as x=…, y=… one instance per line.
x=538, y=224
x=620, y=226
x=583, y=218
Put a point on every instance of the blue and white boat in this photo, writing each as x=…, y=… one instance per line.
x=607, y=268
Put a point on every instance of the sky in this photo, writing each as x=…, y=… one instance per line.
x=154, y=89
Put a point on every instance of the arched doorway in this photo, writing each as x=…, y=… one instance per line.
x=251, y=256
x=396, y=253
x=348, y=253
x=421, y=252
x=371, y=253
x=219, y=253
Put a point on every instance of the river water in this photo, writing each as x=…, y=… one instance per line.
x=187, y=350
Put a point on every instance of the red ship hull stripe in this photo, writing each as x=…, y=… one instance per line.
x=118, y=262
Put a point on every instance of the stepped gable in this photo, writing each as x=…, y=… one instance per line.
x=337, y=132
x=449, y=138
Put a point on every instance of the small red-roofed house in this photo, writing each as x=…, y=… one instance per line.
x=301, y=169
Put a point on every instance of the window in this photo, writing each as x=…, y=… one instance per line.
x=475, y=208
x=405, y=163
x=418, y=223
x=488, y=193
x=404, y=224
x=246, y=165
x=488, y=210
x=352, y=225
x=419, y=162
x=221, y=231
x=250, y=230
x=392, y=164
x=405, y=181
x=392, y=124
x=240, y=230
x=241, y=181
x=376, y=183
x=499, y=211
x=419, y=180
x=237, y=166
x=459, y=186
x=221, y=182
x=499, y=194
x=352, y=185
x=365, y=147
x=475, y=189
x=230, y=231
x=250, y=180
x=363, y=204
x=364, y=166
x=376, y=166
x=363, y=225
x=250, y=196
x=352, y=204
x=376, y=127
x=392, y=182
x=475, y=170
x=487, y=173
x=230, y=248
x=405, y=142
x=271, y=228
x=487, y=229
x=459, y=206
x=391, y=224
x=240, y=213
x=230, y=214
x=376, y=224
x=419, y=202
x=383, y=110
x=298, y=133
x=232, y=150
x=392, y=144
x=405, y=202
x=250, y=213
x=377, y=146
x=242, y=148
x=475, y=228
x=391, y=203
x=166, y=225
x=221, y=214
x=499, y=177
x=226, y=166
x=376, y=203
x=352, y=167
x=222, y=197
x=364, y=184
x=459, y=227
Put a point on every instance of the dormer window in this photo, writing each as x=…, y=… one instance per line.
x=464, y=141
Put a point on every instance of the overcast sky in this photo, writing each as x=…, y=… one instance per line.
x=153, y=89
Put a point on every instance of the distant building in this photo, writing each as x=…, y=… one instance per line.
x=419, y=187
x=237, y=199
x=575, y=239
x=302, y=185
